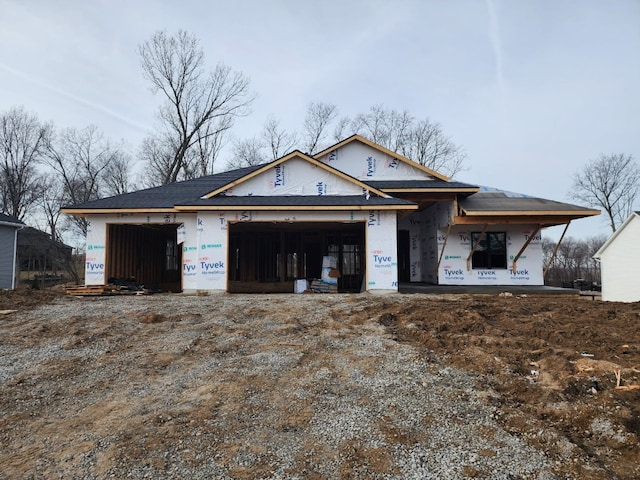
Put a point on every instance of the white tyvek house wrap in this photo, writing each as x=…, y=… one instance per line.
x=212, y=251
x=295, y=177
x=453, y=268
x=95, y=251
x=382, y=251
x=97, y=237
x=190, y=265
x=423, y=240
x=381, y=255
x=366, y=163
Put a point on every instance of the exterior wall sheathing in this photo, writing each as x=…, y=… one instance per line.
x=205, y=243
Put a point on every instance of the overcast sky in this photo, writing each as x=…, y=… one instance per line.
x=532, y=89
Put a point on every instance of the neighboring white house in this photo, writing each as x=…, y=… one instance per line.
x=384, y=219
x=619, y=259
x=9, y=227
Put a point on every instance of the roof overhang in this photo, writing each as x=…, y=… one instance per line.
x=546, y=219
x=13, y=225
x=79, y=212
x=430, y=190
x=199, y=208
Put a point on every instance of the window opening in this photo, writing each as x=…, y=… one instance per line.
x=491, y=251
x=171, y=263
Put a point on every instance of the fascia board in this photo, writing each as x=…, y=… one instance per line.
x=384, y=150
x=191, y=208
x=84, y=212
x=493, y=213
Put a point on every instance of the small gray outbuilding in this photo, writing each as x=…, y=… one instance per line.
x=9, y=227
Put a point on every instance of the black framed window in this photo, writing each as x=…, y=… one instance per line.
x=491, y=251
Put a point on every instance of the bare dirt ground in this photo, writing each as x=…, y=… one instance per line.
x=318, y=386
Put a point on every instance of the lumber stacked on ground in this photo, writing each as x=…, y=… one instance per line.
x=91, y=290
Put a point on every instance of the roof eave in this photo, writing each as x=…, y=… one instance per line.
x=198, y=208
x=544, y=219
x=430, y=190
x=575, y=213
x=82, y=212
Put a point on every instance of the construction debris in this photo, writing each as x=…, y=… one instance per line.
x=90, y=290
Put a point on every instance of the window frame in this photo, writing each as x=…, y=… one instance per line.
x=492, y=258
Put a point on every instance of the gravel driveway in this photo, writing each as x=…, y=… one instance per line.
x=241, y=386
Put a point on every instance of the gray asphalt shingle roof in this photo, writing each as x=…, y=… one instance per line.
x=166, y=196
x=8, y=219
x=420, y=184
x=507, y=202
x=297, y=200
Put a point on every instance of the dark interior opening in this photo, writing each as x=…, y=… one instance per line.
x=269, y=257
x=148, y=255
x=404, y=258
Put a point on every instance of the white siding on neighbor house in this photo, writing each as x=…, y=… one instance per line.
x=620, y=264
x=7, y=257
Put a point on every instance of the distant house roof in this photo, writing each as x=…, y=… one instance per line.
x=10, y=221
x=37, y=240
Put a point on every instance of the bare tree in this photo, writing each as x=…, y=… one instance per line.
x=117, y=175
x=52, y=197
x=23, y=143
x=247, y=152
x=422, y=141
x=80, y=158
x=388, y=128
x=429, y=146
x=316, y=122
x=204, y=153
x=573, y=261
x=610, y=182
x=278, y=141
x=341, y=128
x=199, y=106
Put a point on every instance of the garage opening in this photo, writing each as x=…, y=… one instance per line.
x=270, y=257
x=147, y=254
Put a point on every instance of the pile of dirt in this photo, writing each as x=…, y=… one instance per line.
x=24, y=298
x=319, y=386
x=565, y=365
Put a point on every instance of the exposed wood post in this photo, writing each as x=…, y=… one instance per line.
x=444, y=245
x=476, y=245
x=524, y=247
x=555, y=250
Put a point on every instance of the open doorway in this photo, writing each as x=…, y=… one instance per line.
x=269, y=257
x=146, y=254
